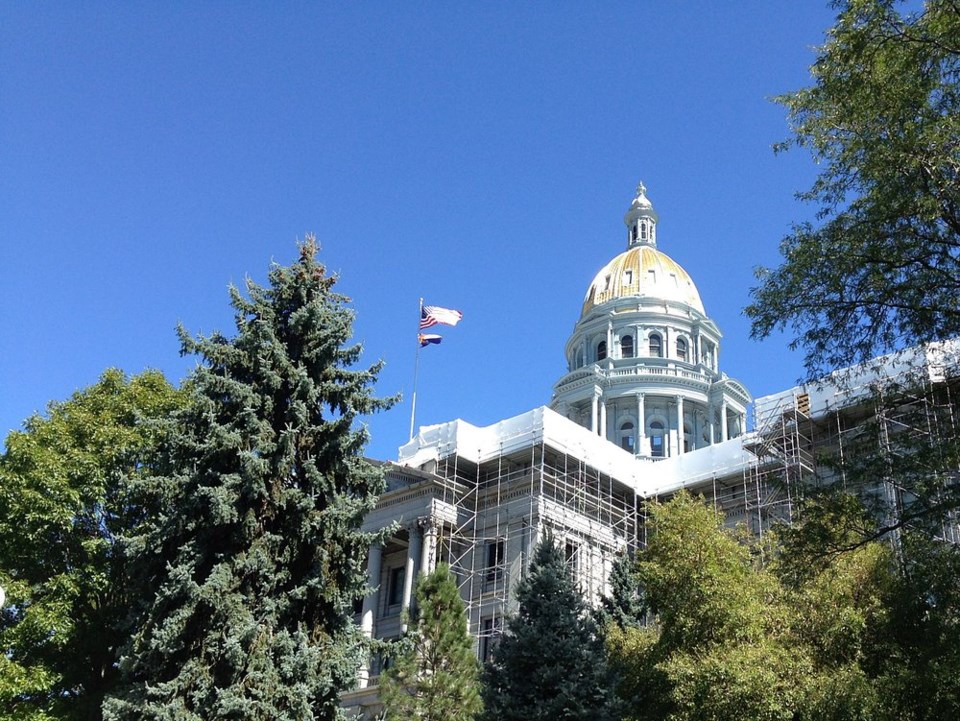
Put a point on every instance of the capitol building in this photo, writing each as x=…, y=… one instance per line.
x=643, y=410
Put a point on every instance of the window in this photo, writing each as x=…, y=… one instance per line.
x=628, y=277
x=606, y=283
x=681, y=349
x=656, y=346
x=652, y=275
x=626, y=346
x=643, y=230
x=601, y=350
x=657, y=447
x=627, y=441
x=494, y=563
x=570, y=555
x=395, y=586
x=489, y=637
x=687, y=437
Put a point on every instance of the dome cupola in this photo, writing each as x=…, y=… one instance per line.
x=641, y=220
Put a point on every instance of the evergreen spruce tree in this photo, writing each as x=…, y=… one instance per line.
x=625, y=606
x=550, y=664
x=436, y=677
x=258, y=558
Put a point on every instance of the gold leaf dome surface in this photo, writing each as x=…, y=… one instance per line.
x=642, y=271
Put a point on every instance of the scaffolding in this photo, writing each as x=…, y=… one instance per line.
x=889, y=433
x=507, y=502
x=881, y=434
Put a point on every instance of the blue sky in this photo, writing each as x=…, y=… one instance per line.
x=480, y=155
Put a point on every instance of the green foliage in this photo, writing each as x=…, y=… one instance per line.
x=838, y=588
x=883, y=628
x=550, y=663
x=257, y=558
x=881, y=269
x=68, y=495
x=437, y=677
x=832, y=625
x=720, y=647
x=917, y=662
x=625, y=606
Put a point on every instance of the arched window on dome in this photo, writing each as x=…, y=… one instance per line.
x=601, y=350
x=643, y=231
x=682, y=349
x=658, y=448
x=656, y=346
x=626, y=346
x=627, y=440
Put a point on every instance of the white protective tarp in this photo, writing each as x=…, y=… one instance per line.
x=644, y=476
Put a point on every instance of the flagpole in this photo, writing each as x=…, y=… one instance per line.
x=416, y=369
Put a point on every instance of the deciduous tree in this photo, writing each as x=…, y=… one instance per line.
x=880, y=269
x=68, y=496
x=718, y=647
x=833, y=624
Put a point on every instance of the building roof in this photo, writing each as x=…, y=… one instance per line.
x=643, y=271
x=912, y=367
x=645, y=477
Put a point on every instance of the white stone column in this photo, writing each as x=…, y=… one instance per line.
x=413, y=557
x=603, y=417
x=680, y=434
x=609, y=341
x=723, y=422
x=428, y=557
x=594, y=414
x=370, y=604
x=641, y=426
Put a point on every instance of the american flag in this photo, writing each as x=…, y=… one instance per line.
x=431, y=315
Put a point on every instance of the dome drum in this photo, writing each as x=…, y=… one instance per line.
x=655, y=339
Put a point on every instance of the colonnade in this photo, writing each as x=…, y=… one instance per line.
x=421, y=558
x=718, y=432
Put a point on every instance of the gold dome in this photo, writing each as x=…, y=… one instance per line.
x=642, y=271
